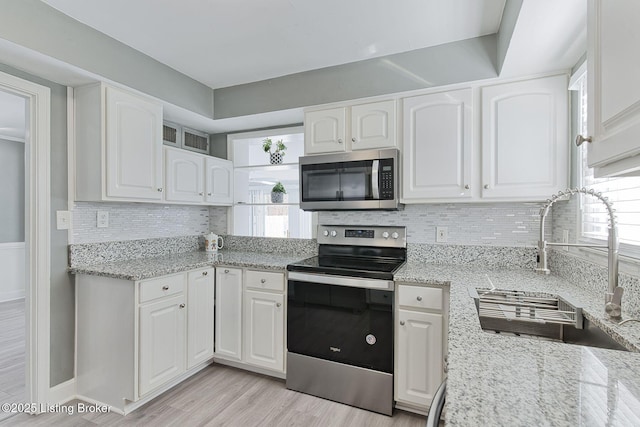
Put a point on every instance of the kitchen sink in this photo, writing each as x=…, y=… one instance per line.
x=540, y=316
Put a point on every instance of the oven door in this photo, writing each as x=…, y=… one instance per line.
x=346, y=320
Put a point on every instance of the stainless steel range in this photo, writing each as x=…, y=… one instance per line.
x=340, y=316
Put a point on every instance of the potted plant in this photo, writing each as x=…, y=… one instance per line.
x=277, y=193
x=275, y=157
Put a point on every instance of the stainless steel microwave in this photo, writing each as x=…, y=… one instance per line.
x=350, y=181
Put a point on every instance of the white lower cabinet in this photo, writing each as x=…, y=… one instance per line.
x=264, y=329
x=137, y=339
x=250, y=313
x=420, y=345
x=228, y=313
x=162, y=342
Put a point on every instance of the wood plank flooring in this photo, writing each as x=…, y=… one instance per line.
x=224, y=396
x=12, y=353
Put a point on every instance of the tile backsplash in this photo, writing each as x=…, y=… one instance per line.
x=130, y=221
x=495, y=224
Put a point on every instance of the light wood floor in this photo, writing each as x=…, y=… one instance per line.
x=12, y=348
x=224, y=396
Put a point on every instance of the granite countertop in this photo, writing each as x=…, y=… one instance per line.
x=515, y=381
x=146, y=268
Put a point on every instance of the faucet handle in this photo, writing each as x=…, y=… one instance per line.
x=613, y=303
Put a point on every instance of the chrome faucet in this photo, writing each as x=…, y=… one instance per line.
x=613, y=296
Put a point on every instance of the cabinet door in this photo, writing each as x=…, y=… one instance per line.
x=184, y=176
x=162, y=342
x=419, y=353
x=437, y=146
x=219, y=181
x=228, y=337
x=133, y=146
x=614, y=93
x=373, y=125
x=525, y=139
x=324, y=131
x=200, y=299
x=264, y=329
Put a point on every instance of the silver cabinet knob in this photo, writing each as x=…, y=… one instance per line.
x=339, y=140
x=402, y=323
x=466, y=187
x=486, y=186
x=419, y=298
x=226, y=271
x=278, y=304
x=581, y=139
x=204, y=273
x=353, y=140
x=159, y=190
x=263, y=280
x=201, y=193
x=165, y=288
x=182, y=305
x=208, y=194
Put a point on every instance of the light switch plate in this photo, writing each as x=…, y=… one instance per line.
x=102, y=219
x=63, y=220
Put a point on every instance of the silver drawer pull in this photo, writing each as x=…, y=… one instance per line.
x=402, y=323
x=165, y=288
x=182, y=305
x=159, y=190
x=226, y=271
x=419, y=298
x=278, y=304
x=263, y=280
x=204, y=273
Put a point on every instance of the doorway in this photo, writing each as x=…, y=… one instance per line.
x=13, y=118
x=31, y=337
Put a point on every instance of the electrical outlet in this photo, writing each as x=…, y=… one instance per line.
x=565, y=239
x=442, y=233
x=63, y=218
x=102, y=219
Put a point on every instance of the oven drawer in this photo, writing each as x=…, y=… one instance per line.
x=264, y=280
x=161, y=287
x=420, y=297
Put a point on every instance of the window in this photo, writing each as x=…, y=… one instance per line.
x=255, y=213
x=623, y=192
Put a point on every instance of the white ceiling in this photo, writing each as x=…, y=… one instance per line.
x=227, y=42
x=12, y=116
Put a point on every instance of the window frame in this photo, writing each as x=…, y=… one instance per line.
x=265, y=133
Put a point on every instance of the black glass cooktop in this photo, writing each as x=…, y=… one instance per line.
x=374, y=267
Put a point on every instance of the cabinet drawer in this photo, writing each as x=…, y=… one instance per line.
x=161, y=287
x=265, y=280
x=420, y=297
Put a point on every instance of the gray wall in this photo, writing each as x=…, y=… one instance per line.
x=463, y=61
x=507, y=25
x=11, y=191
x=62, y=285
x=34, y=24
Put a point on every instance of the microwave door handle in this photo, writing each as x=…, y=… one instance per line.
x=375, y=179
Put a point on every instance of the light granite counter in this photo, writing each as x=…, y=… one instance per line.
x=146, y=268
x=515, y=381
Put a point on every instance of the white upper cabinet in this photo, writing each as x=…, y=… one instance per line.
x=613, y=86
x=525, y=139
x=437, y=152
x=184, y=175
x=373, y=125
x=324, y=131
x=219, y=181
x=118, y=145
x=358, y=127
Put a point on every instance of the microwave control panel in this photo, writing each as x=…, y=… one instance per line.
x=386, y=179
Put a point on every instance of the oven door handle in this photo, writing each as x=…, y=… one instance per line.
x=435, y=411
x=354, y=282
x=375, y=179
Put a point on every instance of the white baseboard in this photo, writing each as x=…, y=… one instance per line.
x=63, y=392
x=246, y=367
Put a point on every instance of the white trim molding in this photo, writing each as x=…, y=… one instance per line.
x=37, y=233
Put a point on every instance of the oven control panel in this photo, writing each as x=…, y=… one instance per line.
x=362, y=235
